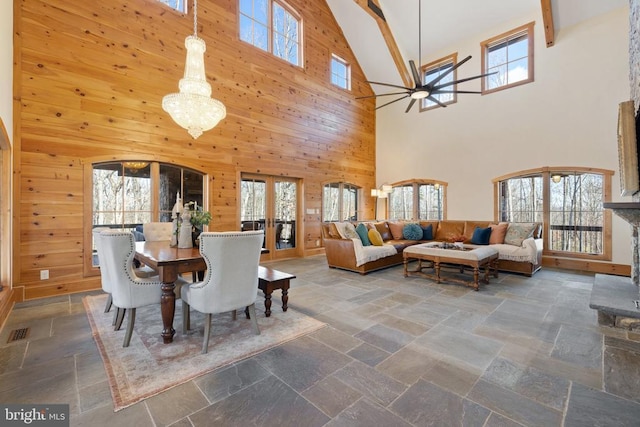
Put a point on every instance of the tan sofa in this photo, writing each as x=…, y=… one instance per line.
x=350, y=254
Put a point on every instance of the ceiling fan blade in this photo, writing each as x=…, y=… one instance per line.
x=463, y=80
x=416, y=75
x=434, y=99
x=395, y=100
x=413, y=101
x=449, y=71
x=382, y=94
x=454, y=91
x=390, y=85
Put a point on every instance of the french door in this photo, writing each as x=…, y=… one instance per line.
x=270, y=203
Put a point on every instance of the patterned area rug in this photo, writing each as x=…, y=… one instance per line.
x=148, y=367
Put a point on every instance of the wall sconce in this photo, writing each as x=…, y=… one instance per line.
x=556, y=177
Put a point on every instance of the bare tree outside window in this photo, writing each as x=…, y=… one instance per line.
x=340, y=202
x=577, y=214
x=417, y=200
x=401, y=202
x=277, y=32
x=575, y=208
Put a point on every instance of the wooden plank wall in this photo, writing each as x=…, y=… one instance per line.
x=89, y=81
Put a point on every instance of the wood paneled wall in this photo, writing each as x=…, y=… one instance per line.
x=89, y=80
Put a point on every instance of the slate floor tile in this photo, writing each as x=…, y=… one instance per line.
x=589, y=407
x=385, y=338
x=514, y=406
x=426, y=404
x=579, y=346
x=466, y=347
x=303, y=362
x=269, y=402
x=373, y=384
x=530, y=382
x=331, y=395
x=365, y=413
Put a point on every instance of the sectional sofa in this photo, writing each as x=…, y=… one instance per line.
x=519, y=245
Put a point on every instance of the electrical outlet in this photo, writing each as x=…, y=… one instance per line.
x=44, y=274
x=318, y=242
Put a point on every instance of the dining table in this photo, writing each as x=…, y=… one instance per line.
x=169, y=262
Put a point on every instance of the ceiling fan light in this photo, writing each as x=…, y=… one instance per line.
x=420, y=94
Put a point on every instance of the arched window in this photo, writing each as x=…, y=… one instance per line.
x=568, y=201
x=418, y=199
x=272, y=26
x=127, y=194
x=340, y=202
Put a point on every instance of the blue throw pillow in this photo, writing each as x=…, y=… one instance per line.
x=481, y=236
x=362, y=231
x=427, y=232
x=412, y=232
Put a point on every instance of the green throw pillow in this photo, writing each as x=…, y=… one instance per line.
x=363, y=232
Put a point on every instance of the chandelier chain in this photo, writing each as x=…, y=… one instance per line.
x=195, y=18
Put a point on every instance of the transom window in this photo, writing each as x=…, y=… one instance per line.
x=272, y=26
x=415, y=200
x=510, y=57
x=340, y=72
x=340, y=202
x=179, y=5
x=434, y=70
x=568, y=202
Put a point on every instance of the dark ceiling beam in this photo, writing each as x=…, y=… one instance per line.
x=547, y=18
x=373, y=8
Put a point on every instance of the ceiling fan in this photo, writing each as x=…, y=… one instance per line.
x=425, y=90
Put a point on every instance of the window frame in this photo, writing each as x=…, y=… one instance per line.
x=439, y=63
x=415, y=185
x=271, y=30
x=340, y=186
x=485, y=46
x=335, y=59
x=88, y=167
x=546, y=173
x=183, y=10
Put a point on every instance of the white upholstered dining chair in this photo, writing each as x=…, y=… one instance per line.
x=116, y=251
x=157, y=231
x=104, y=272
x=231, y=281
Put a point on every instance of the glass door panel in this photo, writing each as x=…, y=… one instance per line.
x=270, y=203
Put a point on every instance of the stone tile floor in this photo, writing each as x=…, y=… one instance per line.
x=397, y=352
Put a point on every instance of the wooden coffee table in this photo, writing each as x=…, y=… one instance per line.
x=438, y=257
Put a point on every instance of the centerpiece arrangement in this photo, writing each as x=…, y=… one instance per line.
x=199, y=218
x=188, y=222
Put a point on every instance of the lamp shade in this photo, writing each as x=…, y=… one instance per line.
x=193, y=108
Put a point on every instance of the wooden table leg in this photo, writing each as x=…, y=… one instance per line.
x=168, y=276
x=285, y=296
x=476, y=277
x=436, y=267
x=405, y=262
x=267, y=302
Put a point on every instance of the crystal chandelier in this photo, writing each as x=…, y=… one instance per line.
x=193, y=108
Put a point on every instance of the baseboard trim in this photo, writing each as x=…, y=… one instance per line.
x=588, y=266
x=6, y=305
